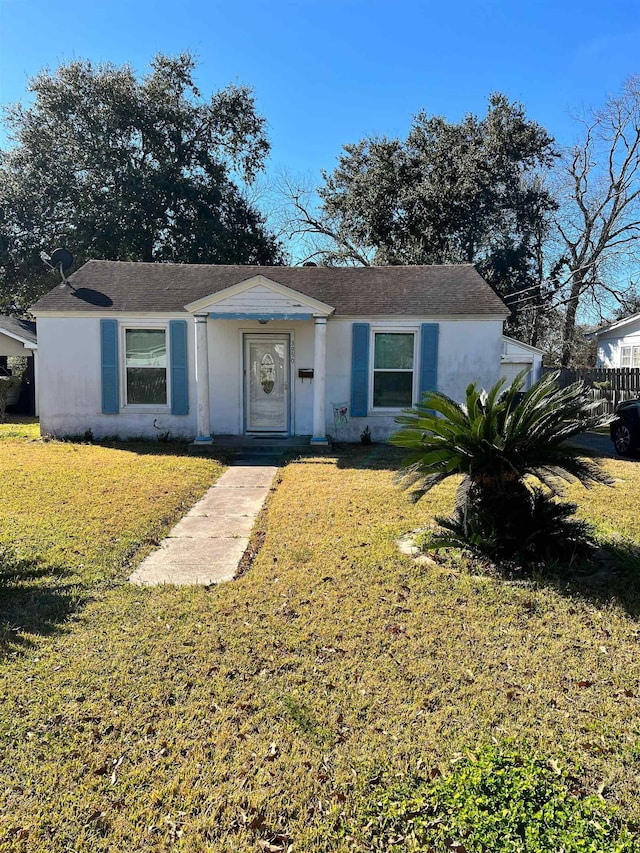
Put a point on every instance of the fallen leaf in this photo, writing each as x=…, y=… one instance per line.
x=116, y=767
x=273, y=752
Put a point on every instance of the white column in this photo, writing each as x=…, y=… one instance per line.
x=320, y=382
x=36, y=381
x=202, y=380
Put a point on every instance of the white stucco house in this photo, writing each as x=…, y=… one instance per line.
x=618, y=344
x=200, y=351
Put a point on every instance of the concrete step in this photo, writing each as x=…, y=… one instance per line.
x=250, y=446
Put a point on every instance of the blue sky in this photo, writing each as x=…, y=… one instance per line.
x=327, y=72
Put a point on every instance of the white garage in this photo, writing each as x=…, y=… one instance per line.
x=517, y=356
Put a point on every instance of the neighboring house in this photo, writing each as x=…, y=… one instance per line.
x=18, y=338
x=517, y=356
x=131, y=349
x=618, y=344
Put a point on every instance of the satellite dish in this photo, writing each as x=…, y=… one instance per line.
x=62, y=259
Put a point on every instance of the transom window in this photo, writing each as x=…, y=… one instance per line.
x=629, y=356
x=393, y=359
x=146, y=367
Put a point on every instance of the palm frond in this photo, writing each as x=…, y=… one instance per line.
x=496, y=439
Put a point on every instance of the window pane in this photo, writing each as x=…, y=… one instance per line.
x=146, y=385
x=146, y=348
x=392, y=390
x=146, y=363
x=625, y=356
x=393, y=351
x=636, y=357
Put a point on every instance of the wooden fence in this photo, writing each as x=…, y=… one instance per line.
x=607, y=386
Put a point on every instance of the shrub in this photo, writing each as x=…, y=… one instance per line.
x=365, y=435
x=498, y=441
x=496, y=800
x=8, y=384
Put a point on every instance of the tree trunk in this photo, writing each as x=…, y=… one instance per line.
x=147, y=249
x=568, y=332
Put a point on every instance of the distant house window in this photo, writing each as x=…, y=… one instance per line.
x=393, y=369
x=146, y=367
x=629, y=356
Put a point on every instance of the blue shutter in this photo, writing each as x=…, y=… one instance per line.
x=179, y=377
x=428, y=357
x=360, y=370
x=109, y=356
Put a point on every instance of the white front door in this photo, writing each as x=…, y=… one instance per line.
x=266, y=384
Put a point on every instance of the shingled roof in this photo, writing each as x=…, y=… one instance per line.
x=123, y=286
x=23, y=330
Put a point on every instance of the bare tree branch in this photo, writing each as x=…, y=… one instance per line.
x=598, y=221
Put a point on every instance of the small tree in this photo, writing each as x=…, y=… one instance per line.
x=497, y=441
x=8, y=384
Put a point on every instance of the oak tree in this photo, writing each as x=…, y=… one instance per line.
x=120, y=167
x=467, y=192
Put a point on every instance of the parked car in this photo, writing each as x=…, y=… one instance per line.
x=625, y=427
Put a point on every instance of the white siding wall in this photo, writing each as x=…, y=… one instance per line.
x=10, y=346
x=609, y=347
x=260, y=298
x=70, y=379
x=468, y=350
x=69, y=385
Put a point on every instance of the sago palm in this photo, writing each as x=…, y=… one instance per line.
x=499, y=440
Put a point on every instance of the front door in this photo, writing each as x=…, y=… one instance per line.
x=266, y=371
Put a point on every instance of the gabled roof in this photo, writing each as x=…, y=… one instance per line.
x=124, y=286
x=20, y=330
x=265, y=290
x=514, y=342
x=613, y=327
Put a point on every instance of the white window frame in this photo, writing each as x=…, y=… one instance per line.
x=135, y=325
x=633, y=353
x=393, y=330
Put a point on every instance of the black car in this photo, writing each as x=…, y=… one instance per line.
x=625, y=427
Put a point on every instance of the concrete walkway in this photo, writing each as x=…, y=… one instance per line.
x=206, y=545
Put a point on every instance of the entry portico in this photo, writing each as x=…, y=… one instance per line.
x=267, y=356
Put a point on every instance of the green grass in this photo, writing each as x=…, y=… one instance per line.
x=19, y=426
x=264, y=711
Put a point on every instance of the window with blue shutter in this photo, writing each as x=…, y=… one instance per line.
x=428, y=357
x=179, y=375
x=109, y=358
x=360, y=370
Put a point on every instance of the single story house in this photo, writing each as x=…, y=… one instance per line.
x=517, y=356
x=18, y=338
x=131, y=349
x=618, y=344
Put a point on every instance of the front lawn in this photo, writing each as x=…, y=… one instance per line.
x=261, y=714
